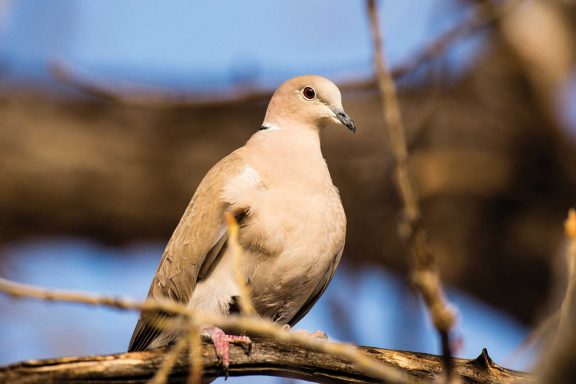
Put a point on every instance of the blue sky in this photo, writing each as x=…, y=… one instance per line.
x=210, y=43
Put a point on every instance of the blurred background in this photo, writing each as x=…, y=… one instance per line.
x=110, y=115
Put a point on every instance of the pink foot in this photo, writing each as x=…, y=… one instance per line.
x=222, y=342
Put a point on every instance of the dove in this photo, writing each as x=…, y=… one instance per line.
x=292, y=223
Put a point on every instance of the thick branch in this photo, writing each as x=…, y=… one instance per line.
x=266, y=358
x=252, y=325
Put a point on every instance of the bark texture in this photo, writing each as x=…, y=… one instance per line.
x=266, y=358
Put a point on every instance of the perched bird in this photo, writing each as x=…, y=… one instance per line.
x=292, y=224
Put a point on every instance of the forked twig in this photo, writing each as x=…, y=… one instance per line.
x=425, y=274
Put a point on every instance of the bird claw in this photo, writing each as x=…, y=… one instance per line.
x=222, y=341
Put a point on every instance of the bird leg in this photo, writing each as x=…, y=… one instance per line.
x=317, y=334
x=222, y=343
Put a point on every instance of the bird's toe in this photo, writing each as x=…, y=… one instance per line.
x=222, y=341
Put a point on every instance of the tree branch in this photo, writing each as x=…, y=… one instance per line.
x=425, y=275
x=267, y=357
x=252, y=325
x=556, y=363
x=149, y=97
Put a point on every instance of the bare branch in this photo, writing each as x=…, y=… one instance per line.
x=252, y=325
x=479, y=18
x=268, y=357
x=149, y=97
x=425, y=274
x=570, y=228
x=18, y=291
x=170, y=359
x=195, y=355
x=545, y=54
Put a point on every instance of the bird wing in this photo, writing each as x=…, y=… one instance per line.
x=195, y=246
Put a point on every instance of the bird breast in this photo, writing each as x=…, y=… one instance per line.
x=292, y=233
x=291, y=250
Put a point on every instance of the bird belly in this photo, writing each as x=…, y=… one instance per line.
x=312, y=237
x=287, y=284
x=283, y=284
x=215, y=293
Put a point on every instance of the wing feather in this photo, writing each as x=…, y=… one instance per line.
x=194, y=246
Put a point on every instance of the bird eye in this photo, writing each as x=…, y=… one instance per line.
x=309, y=93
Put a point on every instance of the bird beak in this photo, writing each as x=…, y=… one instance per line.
x=344, y=118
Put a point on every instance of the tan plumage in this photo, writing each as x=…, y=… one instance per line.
x=292, y=224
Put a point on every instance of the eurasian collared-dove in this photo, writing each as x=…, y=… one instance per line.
x=292, y=224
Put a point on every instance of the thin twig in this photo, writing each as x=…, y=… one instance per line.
x=570, y=229
x=252, y=325
x=18, y=290
x=557, y=364
x=245, y=300
x=478, y=19
x=545, y=55
x=150, y=97
x=424, y=275
x=195, y=354
x=161, y=376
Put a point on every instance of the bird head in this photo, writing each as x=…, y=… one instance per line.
x=307, y=100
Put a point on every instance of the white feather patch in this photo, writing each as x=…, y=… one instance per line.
x=270, y=127
x=237, y=188
x=214, y=294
